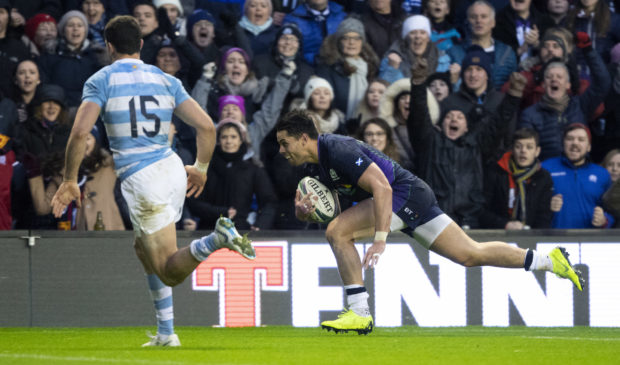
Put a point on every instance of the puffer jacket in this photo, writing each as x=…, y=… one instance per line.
x=313, y=34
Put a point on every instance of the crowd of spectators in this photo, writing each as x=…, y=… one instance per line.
x=508, y=109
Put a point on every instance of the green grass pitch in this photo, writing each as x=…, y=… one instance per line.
x=288, y=345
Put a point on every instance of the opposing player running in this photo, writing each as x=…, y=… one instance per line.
x=389, y=198
x=137, y=101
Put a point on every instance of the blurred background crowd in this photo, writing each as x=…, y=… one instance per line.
x=509, y=109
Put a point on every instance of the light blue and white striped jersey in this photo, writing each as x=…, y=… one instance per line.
x=137, y=101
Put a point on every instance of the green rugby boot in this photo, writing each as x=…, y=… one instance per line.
x=349, y=321
x=563, y=269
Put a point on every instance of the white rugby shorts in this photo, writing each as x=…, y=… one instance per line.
x=425, y=233
x=155, y=194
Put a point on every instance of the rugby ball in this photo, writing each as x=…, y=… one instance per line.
x=326, y=206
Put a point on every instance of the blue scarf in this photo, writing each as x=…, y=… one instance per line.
x=246, y=24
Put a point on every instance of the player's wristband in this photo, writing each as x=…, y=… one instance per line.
x=381, y=236
x=202, y=167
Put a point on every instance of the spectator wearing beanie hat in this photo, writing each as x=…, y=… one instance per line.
x=41, y=30
x=578, y=183
x=440, y=86
x=318, y=98
x=232, y=107
x=348, y=63
x=175, y=14
x=232, y=76
x=75, y=58
x=415, y=43
x=286, y=48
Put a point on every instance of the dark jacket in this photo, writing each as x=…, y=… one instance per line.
x=70, y=70
x=262, y=42
x=232, y=182
x=313, y=34
x=382, y=30
x=12, y=52
x=453, y=169
x=602, y=43
x=550, y=125
x=506, y=25
x=270, y=65
x=538, y=192
x=467, y=101
x=35, y=137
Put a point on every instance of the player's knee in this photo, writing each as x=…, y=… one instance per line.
x=333, y=233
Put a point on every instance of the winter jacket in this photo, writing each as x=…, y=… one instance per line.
x=270, y=64
x=453, y=169
x=391, y=74
x=35, y=137
x=582, y=188
x=466, y=101
x=262, y=42
x=538, y=192
x=550, y=125
x=602, y=43
x=70, y=70
x=382, y=30
x=337, y=77
x=263, y=120
x=313, y=34
x=504, y=60
x=232, y=181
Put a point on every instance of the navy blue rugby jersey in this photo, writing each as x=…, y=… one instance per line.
x=343, y=160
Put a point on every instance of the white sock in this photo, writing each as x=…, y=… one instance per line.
x=358, y=302
x=541, y=262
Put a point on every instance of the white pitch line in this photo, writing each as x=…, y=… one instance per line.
x=573, y=338
x=91, y=359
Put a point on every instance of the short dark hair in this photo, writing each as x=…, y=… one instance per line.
x=143, y=2
x=296, y=123
x=525, y=133
x=123, y=32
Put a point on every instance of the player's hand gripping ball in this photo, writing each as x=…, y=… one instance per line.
x=326, y=206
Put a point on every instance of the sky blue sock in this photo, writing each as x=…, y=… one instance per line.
x=203, y=247
x=162, y=300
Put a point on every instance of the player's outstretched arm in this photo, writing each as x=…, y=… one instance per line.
x=374, y=181
x=69, y=190
x=191, y=113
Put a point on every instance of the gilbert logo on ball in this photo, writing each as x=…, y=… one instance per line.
x=326, y=207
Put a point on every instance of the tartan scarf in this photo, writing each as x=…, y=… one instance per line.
x=518, y=178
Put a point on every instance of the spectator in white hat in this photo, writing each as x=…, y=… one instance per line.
x=415, y=43
x=318, y=97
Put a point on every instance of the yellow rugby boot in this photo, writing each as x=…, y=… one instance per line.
x=563, y=269
x=349, y=321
